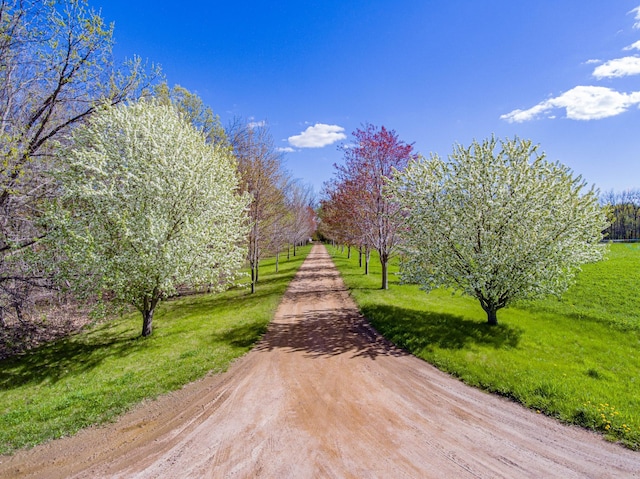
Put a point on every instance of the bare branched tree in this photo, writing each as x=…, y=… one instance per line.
x=624, y=210
x=262, y=177
x=302, y=221
x=56, y=67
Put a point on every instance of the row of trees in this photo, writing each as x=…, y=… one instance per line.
x=281, y=209
x=495, y=220
x=116, y=186
x=107, y=192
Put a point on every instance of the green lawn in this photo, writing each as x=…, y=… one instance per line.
x=577, y=359
x=94, y=376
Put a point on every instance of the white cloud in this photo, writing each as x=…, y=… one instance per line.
x=317, y=136
x=637, y=16
x=286, y=149
x=592, y=61
x=618, y=67
x=256, y=124
x=633, y=46
x=580, y=103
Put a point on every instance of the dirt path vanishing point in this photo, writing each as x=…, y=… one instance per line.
x=322, y=395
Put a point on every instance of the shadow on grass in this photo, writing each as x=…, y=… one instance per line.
x=422, y=330
x=87, y=351
x=53, y=362
x=242, y=336
x=81, y=353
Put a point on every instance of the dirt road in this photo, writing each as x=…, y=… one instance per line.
x=323, y=396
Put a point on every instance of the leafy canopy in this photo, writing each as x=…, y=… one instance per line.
x=497, y=222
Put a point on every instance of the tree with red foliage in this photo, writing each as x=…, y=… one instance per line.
x=339, y=220
x=357, y=195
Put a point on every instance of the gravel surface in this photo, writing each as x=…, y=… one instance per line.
x=323, y=395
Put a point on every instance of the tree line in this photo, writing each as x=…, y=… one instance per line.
x=624, y=212
x=116, y=187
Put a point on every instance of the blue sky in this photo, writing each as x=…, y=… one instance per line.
x=563, y=73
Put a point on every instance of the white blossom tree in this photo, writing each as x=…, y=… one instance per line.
x=498, y=223
x=147, y=205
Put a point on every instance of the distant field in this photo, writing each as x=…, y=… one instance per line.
x=92, y=377
x=576, y=359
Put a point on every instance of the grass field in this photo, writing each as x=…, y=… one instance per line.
x=94, y=376
x=576, y=359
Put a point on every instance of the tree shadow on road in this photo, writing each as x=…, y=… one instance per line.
x=344, y=330
x=327, y=333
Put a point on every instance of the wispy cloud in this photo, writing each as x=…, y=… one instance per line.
x=286, y=149
x=636, y=12
x=256, y=124
x=633, y=46
x=618, y=67
x=580, y=103
x=317, y=136
x=592, y=61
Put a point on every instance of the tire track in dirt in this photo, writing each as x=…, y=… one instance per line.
x=323, y=395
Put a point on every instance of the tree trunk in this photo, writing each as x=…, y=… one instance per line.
x=349, y=252
x=19, y=313
x=148, y=307
x=277, y=261
x=492, y=317
x=367, y=260
x=385, y=272
x=147, y=322
x=360, y=257
x=253, y=278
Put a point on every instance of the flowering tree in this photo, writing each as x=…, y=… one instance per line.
x=371, y=215
x=148, y=205
x=499, y=224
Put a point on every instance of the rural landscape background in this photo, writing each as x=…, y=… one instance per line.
x=472, y=170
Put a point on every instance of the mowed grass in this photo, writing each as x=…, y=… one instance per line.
x=576, y=359
x=92, y=377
